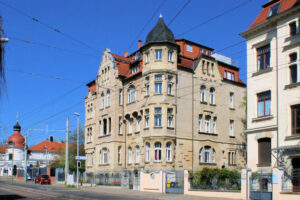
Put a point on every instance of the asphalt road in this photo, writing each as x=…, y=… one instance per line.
x=14, y=190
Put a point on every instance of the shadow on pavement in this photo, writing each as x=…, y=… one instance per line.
x=10, y=197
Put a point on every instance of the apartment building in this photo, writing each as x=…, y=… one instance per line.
x=273, y=112
x=172, y=104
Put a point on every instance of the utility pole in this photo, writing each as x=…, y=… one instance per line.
x=25, y=151
x=77, y=114
x=67, y=152
x=46, y=146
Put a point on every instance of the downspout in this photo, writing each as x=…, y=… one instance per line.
x=124, y=121
x=193, y=122
x=277, y=96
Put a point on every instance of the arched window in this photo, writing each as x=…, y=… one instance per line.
x=157, y=151
x=137, y=154
x=131, y=94
x=200, y=155
x=213, y=158
x=129, y=155
x=212, y=96
x=102, y=101
x=105, y=159
x=169, y=152
x=147, y=152
x=207, y=154
x=108, y=98
x=202, y=94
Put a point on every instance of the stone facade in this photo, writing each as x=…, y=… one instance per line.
x=143, y=110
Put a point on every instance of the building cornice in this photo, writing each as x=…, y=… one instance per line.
x=261, y=129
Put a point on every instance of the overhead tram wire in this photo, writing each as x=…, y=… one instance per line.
x=215, y=17
x=141, y=31
x=48, y=26
x=178, y=13
x=52, y=47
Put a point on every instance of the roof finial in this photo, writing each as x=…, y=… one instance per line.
x=160, y=16
x=17, y=117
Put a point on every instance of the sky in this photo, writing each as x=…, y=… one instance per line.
x=55, y=48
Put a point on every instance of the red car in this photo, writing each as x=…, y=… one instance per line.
x=42, y=179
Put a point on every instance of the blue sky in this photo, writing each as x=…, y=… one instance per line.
x=33, y=87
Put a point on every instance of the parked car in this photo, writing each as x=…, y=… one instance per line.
x=42, y=179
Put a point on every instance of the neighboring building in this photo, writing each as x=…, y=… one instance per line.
x=169, y=105
x=13, y=154
x=273, y=105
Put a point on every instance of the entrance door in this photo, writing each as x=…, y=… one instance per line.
x=296, y=174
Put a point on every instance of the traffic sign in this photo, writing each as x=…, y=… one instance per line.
x=80, y=157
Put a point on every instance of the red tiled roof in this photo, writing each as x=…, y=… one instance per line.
x=262, y=17
x=48, y=146
x=17, y=139
x=2, y=148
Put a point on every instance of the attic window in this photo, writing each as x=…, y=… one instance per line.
x=135, y=69
x=274, y=10
x=10, y=143
x=189, y=48
x=137, y=56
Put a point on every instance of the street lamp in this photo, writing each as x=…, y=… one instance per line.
x=77, y=114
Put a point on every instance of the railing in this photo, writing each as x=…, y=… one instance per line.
x=291, y=181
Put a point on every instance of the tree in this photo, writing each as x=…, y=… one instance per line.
x=60, y=162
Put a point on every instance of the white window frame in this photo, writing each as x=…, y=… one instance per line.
x=207, y=154
x=105, y=156
x=129, y=155
x=215, y=125
x=120, y=97
x=212, y=96
x=170, y=117
x=131, y=94
x=158, y=84
x=200, y=122
x=147, y=159
x=120, y=126
x=202, y=94
x=170, y=56
x=137, y=154
x=157, y=151
x=138, y=124
x=189, y=48
x=157, y=117
x=102, y=101
x=207, y=124
x=231, y=95
x=231, y=128
x=169, y=152
x=158, y=54
x=108, y=98
x=147, y=57
x=130, y=125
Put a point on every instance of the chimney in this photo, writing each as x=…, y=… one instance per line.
x=126, y=54
x=51, y=138
x=140, y=44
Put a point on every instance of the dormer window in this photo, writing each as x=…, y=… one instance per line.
x=11, y=143
x=137, y=56
x=293, y=28
x=135, y=69
x=158, y=54
x=189, y=48
x=274, y=10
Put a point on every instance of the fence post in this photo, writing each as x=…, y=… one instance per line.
x=187, y=184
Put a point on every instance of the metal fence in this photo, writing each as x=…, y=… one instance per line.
x=291, y=181
x=261, y=186
x=175, y=182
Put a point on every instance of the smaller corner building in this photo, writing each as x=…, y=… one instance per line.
x=172, y=104
x=12, y=155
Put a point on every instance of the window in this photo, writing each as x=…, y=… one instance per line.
x=137, y=154
x=264, y=152
x=147, y=118
x=108, y=98
x=170, y=56
x=203, y=66
x=231, y=158
x=202, y=94
x=213, y=159
x=129, y=155
x=229, y=75
x=120, y=97
x=147, y=86
x=293, y=74
x=295, y=110
x=264, y=104
x=207, y=124
x=274, y=10
x=263, y=57
x=207, y=68
x=212, y=69
x=104, y=127
x=157, y=117
x=135, y=69
x=120, y=125
x=147, y=152
x=89, y=134
x=119, y=154
x=147, y=57
x=169, y=152
x=100, y=128
x=130, y=125
x=189, y=48
x=293, y=28
x=10, y=156
x=170, y=85
x=200, y=155
x=158, y=54
x=138, y=124
x=200, y=123
x=293, y=57
x=157, y=151
x=212, y=96
x=231, y=128
x=231, y=99
x=100, y=157
x=207, y=154
x=105, y=156
x=102, y=101
x=158, y=84
x=131, y=94
x=215, y=125
x=170, y=117
x=201, y=50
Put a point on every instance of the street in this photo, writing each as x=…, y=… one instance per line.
x=10, y=190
